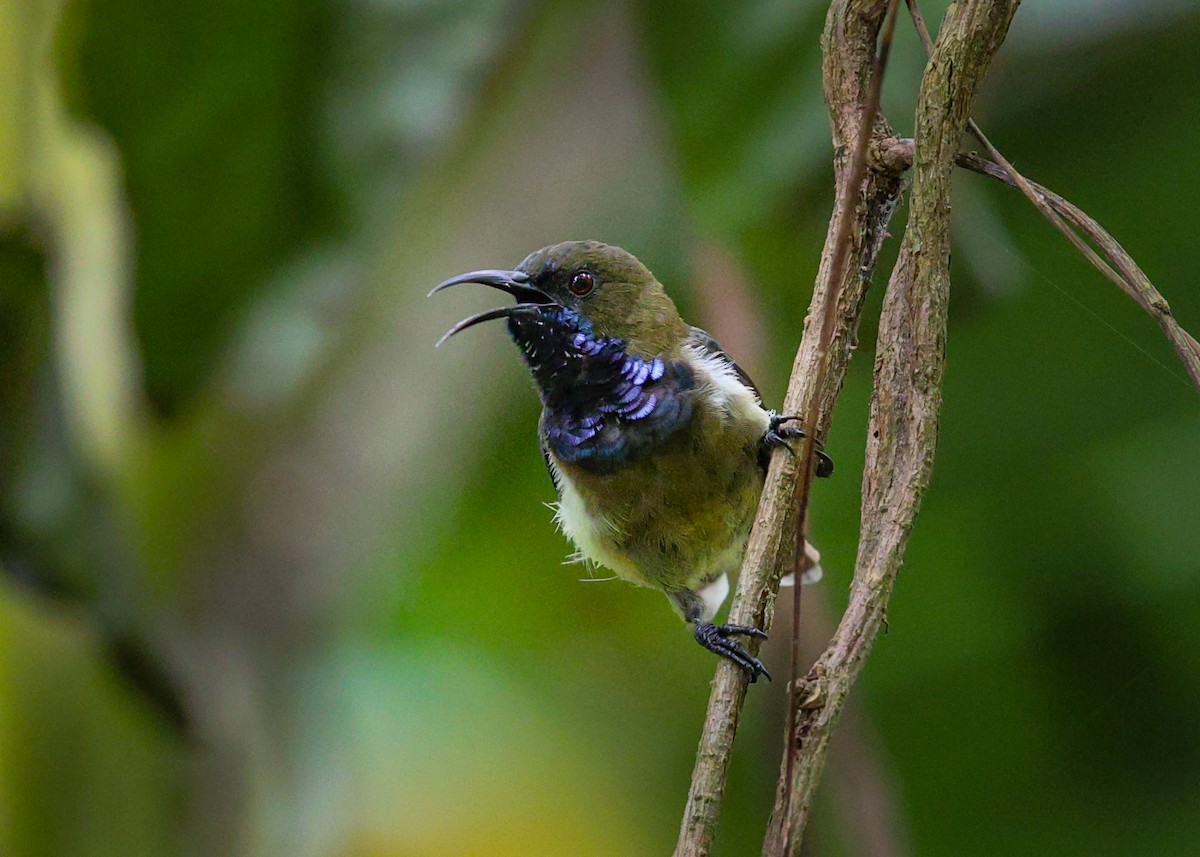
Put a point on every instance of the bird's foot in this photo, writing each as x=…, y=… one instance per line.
x=778, y=434
x=715, y=638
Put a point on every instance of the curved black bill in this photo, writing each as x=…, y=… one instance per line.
x=487, y=315
x=515, y=283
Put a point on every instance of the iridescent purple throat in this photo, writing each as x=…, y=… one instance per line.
x=602, y=406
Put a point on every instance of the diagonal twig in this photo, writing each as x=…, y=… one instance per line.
x=1116, y=263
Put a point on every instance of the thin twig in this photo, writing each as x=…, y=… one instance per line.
x=1117, y=264
x=907, y=397
x=841, y=244
x=852, y=27
x=1128, y=276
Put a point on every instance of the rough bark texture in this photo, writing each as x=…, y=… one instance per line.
x=907, y=397
x=908, y=375
x=851, y=30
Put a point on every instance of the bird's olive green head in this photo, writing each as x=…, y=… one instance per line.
x=612, y=289
x=582, y=287
x=592, y=325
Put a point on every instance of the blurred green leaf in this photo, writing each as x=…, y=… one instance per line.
x=216, y=108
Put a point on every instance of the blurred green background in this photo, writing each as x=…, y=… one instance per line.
x=232, y=465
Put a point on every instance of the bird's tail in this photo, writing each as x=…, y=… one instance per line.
x=814, y=572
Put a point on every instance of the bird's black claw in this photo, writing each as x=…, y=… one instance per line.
x=778, y=434
x=715, y=638
x=745, y=630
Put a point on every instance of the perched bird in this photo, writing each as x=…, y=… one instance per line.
x=656, y=440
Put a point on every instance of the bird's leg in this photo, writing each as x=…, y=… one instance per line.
x=778, y=434
x=716, y=638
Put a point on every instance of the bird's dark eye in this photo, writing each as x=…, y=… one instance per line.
x=582, y=283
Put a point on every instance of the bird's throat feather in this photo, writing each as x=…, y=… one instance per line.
x=603, y=406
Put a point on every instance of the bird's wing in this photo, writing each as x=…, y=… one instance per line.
x=702, y=340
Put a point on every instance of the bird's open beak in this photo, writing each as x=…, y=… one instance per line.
x=514, y=282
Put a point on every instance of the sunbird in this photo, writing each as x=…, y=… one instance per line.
x=657, y=442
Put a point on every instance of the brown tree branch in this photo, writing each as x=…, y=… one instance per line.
x=852, y=27
x=863, y=799
x=906, y=401
x=840, y=239
x=863, y=802
x=909, y=368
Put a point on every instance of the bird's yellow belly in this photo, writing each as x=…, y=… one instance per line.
x=676, y=519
